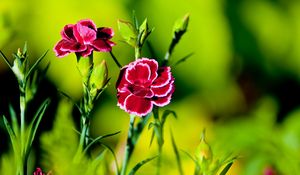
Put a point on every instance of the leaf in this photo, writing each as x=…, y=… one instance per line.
x=140, y=164
x=34, y=66
x=178, y=160
x=166, y=114
x=128, y=32
x=14, y=120
x=33, y=126
x=6, y=60
x=114, y=155
x=197, y=166
x=12, y=136
x=227, y=167
x=98, y=139
x=183, y=59
x=25, y=48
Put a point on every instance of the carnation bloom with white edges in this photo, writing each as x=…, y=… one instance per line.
x=83, y=38
x=142, y=84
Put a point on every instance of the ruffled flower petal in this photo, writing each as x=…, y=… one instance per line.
x=138, y=74
x=153, y=67
x=164, y=90
x=105, y=33
x=67, y=32
x=101, y=45
x=58, y=49
x=121, y=98
x=84, y=34
x=163, y=78
x=137, y=105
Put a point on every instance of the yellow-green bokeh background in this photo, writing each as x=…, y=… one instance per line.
x=227, y=37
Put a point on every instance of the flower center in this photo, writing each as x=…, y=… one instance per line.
x=140, y=91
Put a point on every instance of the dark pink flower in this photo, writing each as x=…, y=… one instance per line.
x=83, y=38
x=38, y=171
x=269, y=171
x=142, y=84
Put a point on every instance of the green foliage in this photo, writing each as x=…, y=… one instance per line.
x=139, y=165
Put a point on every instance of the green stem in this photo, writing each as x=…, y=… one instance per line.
x=23, y=149
x=137, y=51
x=81, y=145
x=129, y=145
x=115, y=60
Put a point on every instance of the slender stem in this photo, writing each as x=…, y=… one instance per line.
x=80, y=148
x=115, y=60
x=129, y=145
x=24, y=149
x=137, y=52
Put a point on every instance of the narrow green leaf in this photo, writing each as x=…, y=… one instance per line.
x=197, y=166
x=183, y=59
x=114, y=155
x=178, y=160
x=98, y=139
x=227, y=167
x=71, y=99
x=6, y=60
x=32, y=128
x=13, y=115
x=135, y=20
x=9, y=129
x=140, y=164
x=166, y=114
x=25, y=48
x=34, y=66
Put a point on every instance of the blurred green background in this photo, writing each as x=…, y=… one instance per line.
x=242, y=83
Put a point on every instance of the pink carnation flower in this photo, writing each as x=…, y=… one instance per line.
x=83, y=38
x=38, y=171
x=142, y=84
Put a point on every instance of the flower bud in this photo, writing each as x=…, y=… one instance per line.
x=98, y=78
x=181, y=25
x=19, y=65
x=203, y=151
x=84, y=65
x=144, y=32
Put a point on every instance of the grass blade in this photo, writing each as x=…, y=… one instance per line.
x=36, y=121
x=13, y=115
x=114, y=155
x=35, y=65
x=139, y=165
x=227, y=167
x=5, y=59
x=177, y=155
x=98, y=139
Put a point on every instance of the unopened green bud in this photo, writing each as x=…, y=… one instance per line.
x=19, y=65
x=84, y=66
x=98, y=78
x=181, y=25
x=203, y=151
x=144, y=32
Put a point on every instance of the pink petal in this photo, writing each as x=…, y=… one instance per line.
x=72, y=46
x=164, y=90
x=58, y=51
x=84, y=34
x=137, y=105
x=87, y=52
x=163, y=78
x=67, y=32
x=153, y=66
x=101, y=45
x=88, y=23
x=162, y=101
x=122, y=83
x=105, y=33
x=121, y=99
x=138, y=74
